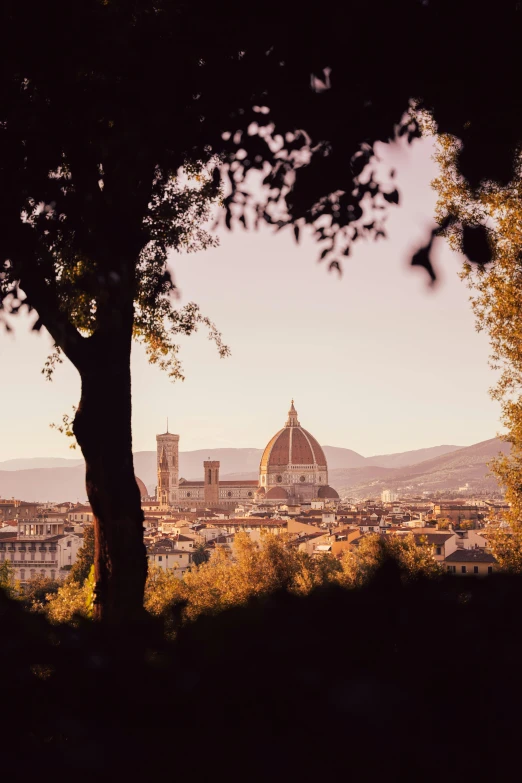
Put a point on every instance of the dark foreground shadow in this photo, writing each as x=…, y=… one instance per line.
x=394, y=682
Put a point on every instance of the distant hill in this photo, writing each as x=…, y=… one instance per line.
x=406, y=458
x=40, y=462
x=58, y=484
x=443, y=467
x=446, y=472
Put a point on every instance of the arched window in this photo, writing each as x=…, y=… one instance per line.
x=209, y=476
x=229, y=494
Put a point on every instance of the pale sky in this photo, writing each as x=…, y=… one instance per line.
x=376, y=361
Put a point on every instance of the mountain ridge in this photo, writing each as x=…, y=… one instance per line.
x=468, y=465
x=347, y=469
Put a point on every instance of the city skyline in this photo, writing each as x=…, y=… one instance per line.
x=376, y=361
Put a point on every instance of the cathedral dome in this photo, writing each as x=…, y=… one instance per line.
x=142, y=488
x=277, y=493
x=292, y=445
x=328, y=492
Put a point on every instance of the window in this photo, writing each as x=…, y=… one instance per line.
x=475, y=569
x=160, y=558
x=463, y=570
x=229, y=494
x=302, y=478
x=32, y=555
x=69, y=543
x=439, y=550
x=188, y=494
x=53, y=574
x=279, y=479
x=451, y=569
x=249, y=494
x=22, y=574
x=490, y=569
x=42, y=556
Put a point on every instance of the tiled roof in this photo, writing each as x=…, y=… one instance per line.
x=278, y=450
x=249, y=483
x=434, y=539
x=327, y=492
x=163, y=550
x=277, y=493
x=470, y=556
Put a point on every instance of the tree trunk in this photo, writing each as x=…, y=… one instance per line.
x=102, y=427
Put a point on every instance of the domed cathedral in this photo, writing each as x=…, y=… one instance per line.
x=293, y=466
x=293, y=469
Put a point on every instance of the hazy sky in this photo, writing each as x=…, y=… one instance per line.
x=376, y=361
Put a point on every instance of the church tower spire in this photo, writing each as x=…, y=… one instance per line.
x=167, y=465
x=292, y=420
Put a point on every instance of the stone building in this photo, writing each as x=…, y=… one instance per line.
x=293, y=469
x=39, y=548
x=167, y=451
x=293, y=466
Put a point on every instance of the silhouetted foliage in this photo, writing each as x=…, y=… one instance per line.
x=367, y=676
x=36, y=591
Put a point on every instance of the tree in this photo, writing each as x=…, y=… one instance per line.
x=102, y=104
x=200, y=554
x=92, y=208
x=38, y=590
x=496, y=293
x=85, y=558
x=7, y=577
x=362, y=562
x=506, y=545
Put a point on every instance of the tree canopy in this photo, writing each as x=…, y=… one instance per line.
x=122, y=125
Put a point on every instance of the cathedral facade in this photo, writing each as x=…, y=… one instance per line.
x=293, y=469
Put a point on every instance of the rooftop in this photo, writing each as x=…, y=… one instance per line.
x=470, y=556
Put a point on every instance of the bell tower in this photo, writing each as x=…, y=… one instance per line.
x=211, y=482
x=167, y=463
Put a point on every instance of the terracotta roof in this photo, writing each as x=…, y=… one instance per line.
x=249, y=483
x=327, y=492
x=293, y=446
x=163, y=550
x=470, y=556
x=142, y=488
x=277, y=493
x=278, y=450
x=434, y=539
